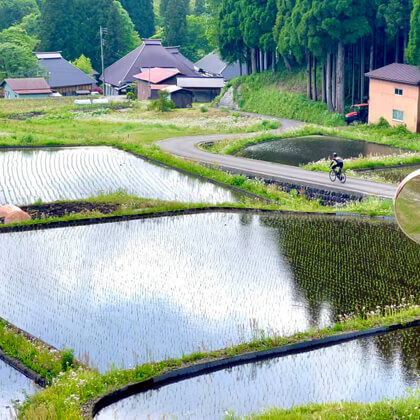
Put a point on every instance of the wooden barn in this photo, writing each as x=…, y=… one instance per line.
x=182, y=98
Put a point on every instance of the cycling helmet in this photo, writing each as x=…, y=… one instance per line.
x=335, y=154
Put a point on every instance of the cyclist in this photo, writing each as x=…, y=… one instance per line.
x=337, y=162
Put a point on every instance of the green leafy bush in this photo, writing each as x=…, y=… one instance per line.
x=163, y=103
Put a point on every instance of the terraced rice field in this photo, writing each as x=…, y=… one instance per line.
x=126, y=293
x=302, y=150
x=365, y=370
x=50, y=174
x=13, y=388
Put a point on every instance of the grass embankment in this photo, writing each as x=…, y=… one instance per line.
x=75, y=387
x=270, y=94
x=33, y=353
x=105, y=205
x=399, y=408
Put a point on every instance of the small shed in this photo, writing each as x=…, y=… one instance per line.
x=26, y=88
x=394, y=94
x=182, y=98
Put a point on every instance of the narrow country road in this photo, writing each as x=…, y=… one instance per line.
x=188, y=148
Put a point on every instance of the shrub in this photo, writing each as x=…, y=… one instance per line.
x=163, y=103
x=131, y=96
x=67, y=359
x=383, y=123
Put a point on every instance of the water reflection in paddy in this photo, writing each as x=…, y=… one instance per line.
x=302, y=150
x=365, y=370
x=13, y=388
x=130, y=292
x=27, y=175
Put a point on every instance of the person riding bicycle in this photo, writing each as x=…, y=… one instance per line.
x=337, y=162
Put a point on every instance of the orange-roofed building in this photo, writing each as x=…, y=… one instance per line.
x=150, y=81
x=394, y=94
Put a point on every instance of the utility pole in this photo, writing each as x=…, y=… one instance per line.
x=102, y=31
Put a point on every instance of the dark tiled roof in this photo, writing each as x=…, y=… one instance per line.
x=211, y=63
x=149, y=54
x=28, y=85
x=177, y=54
x=396, y=72
x=61, y=73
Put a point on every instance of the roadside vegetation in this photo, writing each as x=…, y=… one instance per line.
x=78, y=385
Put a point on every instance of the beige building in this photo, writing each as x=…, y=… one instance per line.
x=394, y=94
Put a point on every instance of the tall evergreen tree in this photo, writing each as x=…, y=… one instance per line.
x=413, y=49
x=229, y=35
x=142, y=14
x=175, y=22
x=199, y=7
x=72, y=26
x=58, y=26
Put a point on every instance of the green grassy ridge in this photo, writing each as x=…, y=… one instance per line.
x=265, y=93
x=407, y=407
x=74, y=388
x=32, y=352
x=366, y=162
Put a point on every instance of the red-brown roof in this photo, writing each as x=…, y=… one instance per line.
x=397, y=72
x=29, y=85
x=156, y=75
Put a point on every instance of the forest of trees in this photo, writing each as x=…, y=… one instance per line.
x=337, y=41
x=340, y=39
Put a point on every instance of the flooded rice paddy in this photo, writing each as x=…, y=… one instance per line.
x=391, y=175
x=130, y=292
x=50, y=174
x=366, y=370
x=13, y=388
x=302, y=150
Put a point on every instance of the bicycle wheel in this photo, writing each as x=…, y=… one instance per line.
x=333, y=175
x=343, y=177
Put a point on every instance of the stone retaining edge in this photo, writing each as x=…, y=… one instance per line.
x=199, y=369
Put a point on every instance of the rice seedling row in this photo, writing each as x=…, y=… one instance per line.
x=130, y=292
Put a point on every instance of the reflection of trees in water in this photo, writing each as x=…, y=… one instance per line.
x=348, y=263
x=402, y=346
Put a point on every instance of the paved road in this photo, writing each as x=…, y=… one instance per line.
x=188, y=148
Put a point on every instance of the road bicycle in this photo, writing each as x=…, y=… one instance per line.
x=341, y=176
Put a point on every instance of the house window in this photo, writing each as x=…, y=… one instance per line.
x=397, y=115
x=398, y=92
